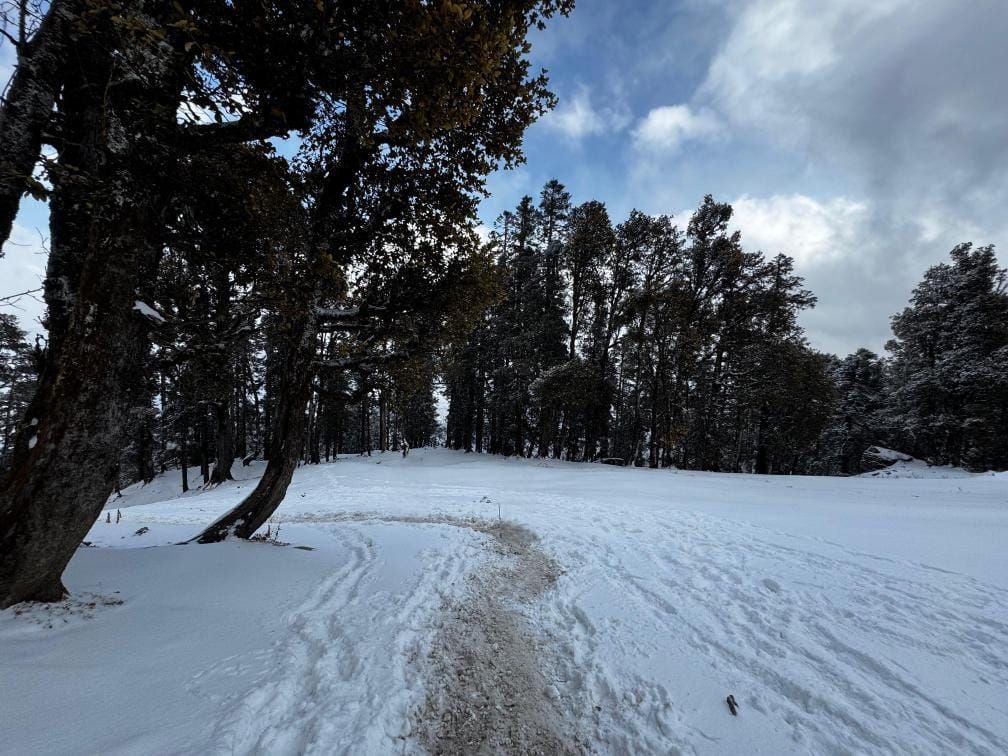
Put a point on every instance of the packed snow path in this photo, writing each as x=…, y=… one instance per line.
x=844, y=615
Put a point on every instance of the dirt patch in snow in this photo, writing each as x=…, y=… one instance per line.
x=51, y=615
x=489, y=691
x=490, y=683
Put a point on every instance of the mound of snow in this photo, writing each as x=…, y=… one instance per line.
x=886, y=455
x=918, y=468
x=880, y=462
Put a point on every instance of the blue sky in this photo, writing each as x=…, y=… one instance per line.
x=863, y=137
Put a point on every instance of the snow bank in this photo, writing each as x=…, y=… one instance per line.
x=886, y=463
x=917, y=468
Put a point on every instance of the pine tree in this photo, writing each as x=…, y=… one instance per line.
x=18, y=371
x=949, y=359
x=857, y=421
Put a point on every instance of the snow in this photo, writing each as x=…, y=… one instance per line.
x=147, y=311
x=902, y=465
x=337, y=312
x=865, y=614
x=889, y=455
x=918, y=468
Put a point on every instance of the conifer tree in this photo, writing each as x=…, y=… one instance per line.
x=950, y=364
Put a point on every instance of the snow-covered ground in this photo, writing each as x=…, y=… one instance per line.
x=845, y=615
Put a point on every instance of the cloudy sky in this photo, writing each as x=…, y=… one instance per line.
x=863, y=137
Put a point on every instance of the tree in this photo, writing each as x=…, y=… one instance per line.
x=41, y=47
x=588, y=242
x=394, y=169
x=950, y=364
x=860, y=388
x=334, y=73
x=683, y=345
x=17, y=380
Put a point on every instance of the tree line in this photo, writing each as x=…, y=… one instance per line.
x=193, y=270
x=647, y=344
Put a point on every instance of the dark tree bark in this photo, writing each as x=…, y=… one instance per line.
x=241, y=408
x=104, y=241
x=224, y=444
x=224, y=435
x=382, y=422
x=480, y=420
x=184, y=457
x=286, y=438
x=65, y=461
x=28, y=105
x=204, y=447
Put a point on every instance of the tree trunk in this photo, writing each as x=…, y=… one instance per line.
x=224, y=443
x=480, y=410
x=28, y=106
x=204, y=447
x=297, y=374
x=66, y=456
x=102, y=248
x=163, y=426
x=184, y=457
x=382, y=421
x=241, y=413
x=294, y=390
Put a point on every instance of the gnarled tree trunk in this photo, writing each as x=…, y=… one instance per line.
x=64, y=463
x=225, y=443
x=286, y=436
x=103, y=246
x=28, y=105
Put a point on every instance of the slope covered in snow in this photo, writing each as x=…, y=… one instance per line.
x=843, y=614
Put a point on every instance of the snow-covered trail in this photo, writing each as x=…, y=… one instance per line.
x=326, y=683
x=844, y=615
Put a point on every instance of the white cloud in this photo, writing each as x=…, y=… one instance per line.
x=898, y=103
x=666, y=128
x=861, y=267
x=808, y=230
x=483, y=232
x=780, y=53
x=904, y=98
x=576, y=117
x=22, y=268
x=837, y=251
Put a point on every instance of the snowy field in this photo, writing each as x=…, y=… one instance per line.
x=845, y=615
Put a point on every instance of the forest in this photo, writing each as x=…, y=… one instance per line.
x=636, y=344
x=664, y=344
x=212, y=298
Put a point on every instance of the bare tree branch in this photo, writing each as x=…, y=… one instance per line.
x=13, y=298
